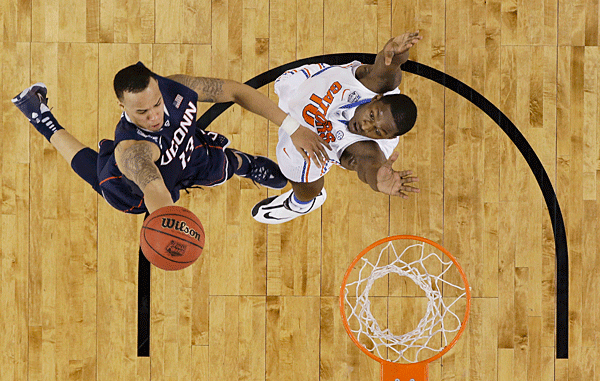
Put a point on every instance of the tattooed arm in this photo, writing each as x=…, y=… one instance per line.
x=135, y=160
x=307, y=142
x=223, y=90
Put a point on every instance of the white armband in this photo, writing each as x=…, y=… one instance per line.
x=289, y=125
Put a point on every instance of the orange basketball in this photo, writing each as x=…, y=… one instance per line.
x=172, y=238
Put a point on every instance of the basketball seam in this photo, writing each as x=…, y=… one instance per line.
x=170, y=235
x=168, y=259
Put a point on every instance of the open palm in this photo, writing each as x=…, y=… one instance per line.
x=399, y=45
x=393, y=182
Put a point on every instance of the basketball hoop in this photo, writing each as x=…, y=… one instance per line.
x=436, y=273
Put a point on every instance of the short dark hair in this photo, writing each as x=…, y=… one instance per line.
x=404, y=112
x=133, y=79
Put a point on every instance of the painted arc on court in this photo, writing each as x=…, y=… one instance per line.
x=478, y=100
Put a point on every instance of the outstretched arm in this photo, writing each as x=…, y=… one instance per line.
x=367, y=159
x=385, y=74
x=307, y=142
x=223, y=90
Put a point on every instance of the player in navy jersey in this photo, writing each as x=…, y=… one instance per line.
x=157, y=149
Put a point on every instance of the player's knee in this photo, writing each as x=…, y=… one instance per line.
x=308, y=191
x=84, y=163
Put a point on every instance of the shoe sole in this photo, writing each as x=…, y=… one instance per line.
x=35, y=88
x=269, y=200
x=264, y=202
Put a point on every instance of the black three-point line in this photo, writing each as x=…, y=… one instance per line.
x=453, y=84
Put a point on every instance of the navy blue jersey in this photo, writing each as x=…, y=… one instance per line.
x=176, y=137
x=177, y=141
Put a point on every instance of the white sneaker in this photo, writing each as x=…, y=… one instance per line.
x=276, y=209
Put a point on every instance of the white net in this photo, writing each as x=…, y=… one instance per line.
x=428, y=271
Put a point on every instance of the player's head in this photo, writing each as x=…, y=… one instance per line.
x=385, y=117
x=139, y=96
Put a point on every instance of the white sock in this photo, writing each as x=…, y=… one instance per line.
x=299, y=206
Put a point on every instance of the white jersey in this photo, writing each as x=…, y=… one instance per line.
x=322, y=98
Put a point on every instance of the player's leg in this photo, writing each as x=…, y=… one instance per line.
x=32, y=102
x=298, y=201
x=66, y=144
x=259, y=169
x=214, y=163
x=307, y=193
x=307, y=196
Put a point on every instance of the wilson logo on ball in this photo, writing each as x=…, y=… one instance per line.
x=171, y=223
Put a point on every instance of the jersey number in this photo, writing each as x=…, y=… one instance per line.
x=187, y=154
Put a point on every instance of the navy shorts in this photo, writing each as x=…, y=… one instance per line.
x=209, y=166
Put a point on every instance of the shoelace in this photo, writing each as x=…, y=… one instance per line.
x=44, y=101
x=259, y=174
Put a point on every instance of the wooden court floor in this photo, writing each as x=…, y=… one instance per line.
x=261, y=303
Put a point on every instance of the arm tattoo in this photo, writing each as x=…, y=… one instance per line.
x=208, y=89
x=138, y=166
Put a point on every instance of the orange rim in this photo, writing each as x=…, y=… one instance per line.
x=416, y=238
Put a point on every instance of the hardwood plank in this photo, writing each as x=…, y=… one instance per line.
x=16, y=20
x=292, y=338
x=353, y=364
x=200, y=356
x=505, y=364
x=237, y=335
x=130, y=22
x=572, y=23
x=481, y=337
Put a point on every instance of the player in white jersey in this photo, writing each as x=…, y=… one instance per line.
x=358, y=111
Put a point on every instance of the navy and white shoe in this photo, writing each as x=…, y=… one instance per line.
x=276, y=209
x=265, y=172
x=32, y=102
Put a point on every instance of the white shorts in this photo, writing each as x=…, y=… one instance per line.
x=292, y=164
